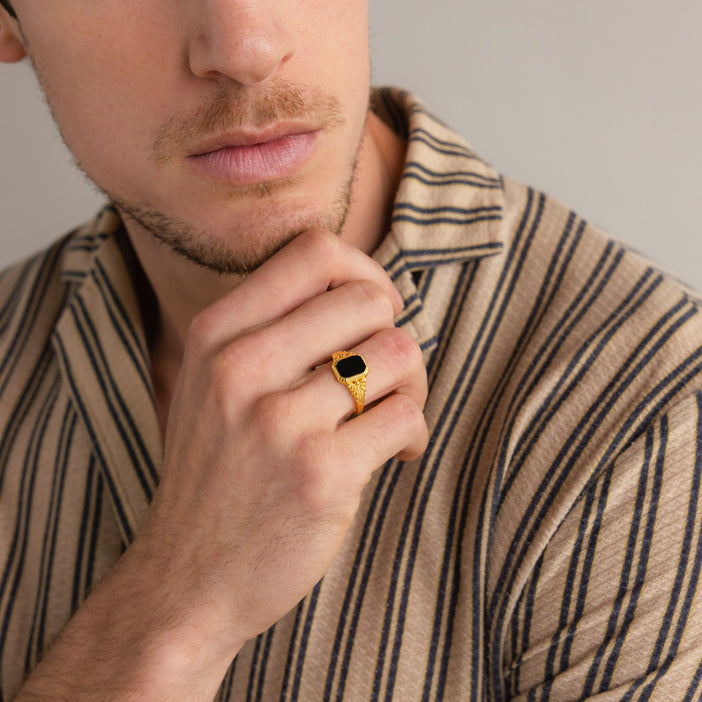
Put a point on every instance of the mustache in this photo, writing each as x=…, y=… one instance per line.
x=247, y=109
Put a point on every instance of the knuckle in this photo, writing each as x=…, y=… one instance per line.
x=319, y=245
x=407, y=411
x=372, y=299
x=399, y=344
x=272, y=419
x=237, y=369
x=316, y=481
x=203, y=330
x=409, y=419
x=224, y=382
x=250, y=352
x=272, y=409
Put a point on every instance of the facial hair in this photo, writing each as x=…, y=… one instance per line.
x=234, y=251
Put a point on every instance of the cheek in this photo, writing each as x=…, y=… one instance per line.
x=99, y=83
x=340, y=55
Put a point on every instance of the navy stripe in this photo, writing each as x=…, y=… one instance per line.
x=38, y=627
x=78, y=240
x=312, y=600
x=225, y=689
x=79, y=581
x=88, y=247
x=446, y=220
x=487, y=180
x=422, y=264
x=456, y=150
x=290, y=657
x=528, y=616
x=252, y=669
x=468, y=181
x=450, y=255
x=454, y=403
x=559, y=262
x=396, y=568
x=419, y=131
x=98, y=517
x=454, y=210
x=442, y=146
x=577, y=369
x=694, y=686
x=268, y=642
x=124, y=327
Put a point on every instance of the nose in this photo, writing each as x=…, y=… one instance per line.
x=246, y=41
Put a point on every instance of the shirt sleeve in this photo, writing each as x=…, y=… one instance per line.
x=613, y=609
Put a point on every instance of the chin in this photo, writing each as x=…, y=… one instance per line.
x=240, y=248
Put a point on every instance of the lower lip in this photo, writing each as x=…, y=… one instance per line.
x=258, y=163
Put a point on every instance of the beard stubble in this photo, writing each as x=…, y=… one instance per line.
x=236, y=251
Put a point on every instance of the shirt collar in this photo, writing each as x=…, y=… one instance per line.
x=449, y=204
x=101, y=351
x=448, y=208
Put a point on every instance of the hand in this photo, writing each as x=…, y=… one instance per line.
x=264, y=466
x=263, y=470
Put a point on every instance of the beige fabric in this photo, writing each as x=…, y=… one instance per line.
x=546, y=546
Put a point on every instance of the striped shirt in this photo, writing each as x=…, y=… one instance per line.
x=546, y=546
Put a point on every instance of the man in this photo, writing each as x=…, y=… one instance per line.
x=194, y=505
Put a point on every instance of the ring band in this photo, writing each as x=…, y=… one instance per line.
x=350, y=369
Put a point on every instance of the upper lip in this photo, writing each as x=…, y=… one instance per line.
x=249, y=137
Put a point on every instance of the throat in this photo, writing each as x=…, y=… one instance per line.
x=165, y=368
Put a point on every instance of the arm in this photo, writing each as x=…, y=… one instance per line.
x=262, y=478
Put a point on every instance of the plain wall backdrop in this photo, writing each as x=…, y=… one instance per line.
x=597, y=101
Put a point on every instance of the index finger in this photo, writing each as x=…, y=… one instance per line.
x=314, y=262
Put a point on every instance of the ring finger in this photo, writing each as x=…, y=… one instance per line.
x=395, y=365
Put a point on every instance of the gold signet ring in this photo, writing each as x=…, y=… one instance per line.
x=351, y=370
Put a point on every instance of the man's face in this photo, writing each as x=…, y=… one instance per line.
x=222, y=126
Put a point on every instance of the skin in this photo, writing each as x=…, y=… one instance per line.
x=285, y=479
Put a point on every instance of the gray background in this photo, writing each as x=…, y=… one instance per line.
x=597, y=101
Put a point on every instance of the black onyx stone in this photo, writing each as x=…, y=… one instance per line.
x=348, y=367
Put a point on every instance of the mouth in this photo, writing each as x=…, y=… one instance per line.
x=255, y=157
